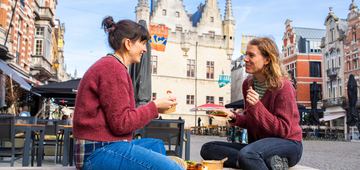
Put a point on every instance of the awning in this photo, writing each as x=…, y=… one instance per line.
x=15, y=76
x=331, y=117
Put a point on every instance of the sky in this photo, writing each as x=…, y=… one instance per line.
x=86, y=42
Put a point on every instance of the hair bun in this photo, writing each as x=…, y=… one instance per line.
x=108, y=24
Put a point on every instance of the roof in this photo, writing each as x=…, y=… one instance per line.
x=310, y=33
x=195, y=18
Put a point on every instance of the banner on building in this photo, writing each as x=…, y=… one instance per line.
x=223, y=80
x=159, y=35
x=60, y=43
x=245, y=40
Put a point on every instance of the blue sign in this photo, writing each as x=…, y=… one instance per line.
x=223, y=80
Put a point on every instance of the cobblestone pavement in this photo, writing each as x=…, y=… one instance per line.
x=324, y=155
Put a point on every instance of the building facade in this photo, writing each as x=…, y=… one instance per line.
x=302, y=56
x=18, y=49
x=333, y=69
x=197, y=53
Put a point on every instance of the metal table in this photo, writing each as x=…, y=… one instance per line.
x=29, y=128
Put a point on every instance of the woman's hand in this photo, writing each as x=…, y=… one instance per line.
x=252, y=97
x=166, y=103
x=231, y=115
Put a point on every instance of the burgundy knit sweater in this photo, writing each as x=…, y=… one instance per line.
x=105, y=105
x=275, y=115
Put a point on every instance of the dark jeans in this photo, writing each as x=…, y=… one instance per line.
x=256, y=155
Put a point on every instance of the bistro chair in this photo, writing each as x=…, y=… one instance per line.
x=51, y=129
x=171, y=132
x=7, y=126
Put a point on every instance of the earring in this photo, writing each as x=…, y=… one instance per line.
x=263, y=71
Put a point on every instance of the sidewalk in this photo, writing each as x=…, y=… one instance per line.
x=329, y=155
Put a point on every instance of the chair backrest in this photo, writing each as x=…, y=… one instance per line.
x=169, y=131
x=7, y=126
x=51, y=126
x=26, y=120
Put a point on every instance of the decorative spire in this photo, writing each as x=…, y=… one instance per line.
x=352, y=6
x=228, y=11
x=330, y=10
x=143, y=3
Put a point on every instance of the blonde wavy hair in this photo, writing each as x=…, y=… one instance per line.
x=275, y=70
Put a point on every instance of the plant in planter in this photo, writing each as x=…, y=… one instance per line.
x=12, y=94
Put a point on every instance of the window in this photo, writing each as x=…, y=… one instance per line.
x=19, y=24
x=179, y=28
x=333, y=59
x=333, y=88
x=327, y=61
x=210, y=99
x=212, y=34
x=339, y=58
x=320, y=91
x=329, y=90
x=348, y=63
x=289, y=51
x=355, y=63
x=153, y=64
x=40, y=31
x=211, y=19
x=39, y=47
x=339, y=83
x=293, y=69
x=22, y=3
x=315, y=69
x=221, y=101
x=18, y=43
x=332, y=34
x=164, y=12
x=177, y=14
x=354, y=34
x=190, y=99
x=210, y=70
x=190, y=67
x=153, y=96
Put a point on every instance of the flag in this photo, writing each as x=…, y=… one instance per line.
x=159, y=35
x=223, y=80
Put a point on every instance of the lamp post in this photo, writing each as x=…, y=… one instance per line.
x=56, y=65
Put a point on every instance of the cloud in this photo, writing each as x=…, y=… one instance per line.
x=245, y=12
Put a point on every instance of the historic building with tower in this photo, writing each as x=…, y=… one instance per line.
x=191, y=54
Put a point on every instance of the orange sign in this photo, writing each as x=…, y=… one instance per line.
x=159, y=35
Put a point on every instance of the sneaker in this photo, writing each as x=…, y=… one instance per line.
x=278, y=163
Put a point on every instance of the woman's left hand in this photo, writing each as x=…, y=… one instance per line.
x=252, y=96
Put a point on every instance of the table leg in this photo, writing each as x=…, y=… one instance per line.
x=187, y=145
x=26, y=152
x=41, y=147
x=66, y=147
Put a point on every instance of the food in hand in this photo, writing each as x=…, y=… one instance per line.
x=192, y=165
x=219, y=113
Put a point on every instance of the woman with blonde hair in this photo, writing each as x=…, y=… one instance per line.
x=270, y=115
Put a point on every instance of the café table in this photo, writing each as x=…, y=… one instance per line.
x=29, y=128
x=66, y=149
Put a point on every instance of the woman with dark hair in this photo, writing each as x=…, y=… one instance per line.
x=270, y=115
x=105, y=116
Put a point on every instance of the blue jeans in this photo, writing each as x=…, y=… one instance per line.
x=256, y=155
x=139, y=154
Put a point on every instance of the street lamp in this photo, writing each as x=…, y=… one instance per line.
x=56, y=65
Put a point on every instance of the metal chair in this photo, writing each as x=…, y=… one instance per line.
x=171, y=132
x=51, y=128
x=7, y=126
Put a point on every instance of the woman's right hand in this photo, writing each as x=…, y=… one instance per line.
x=166, y=103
